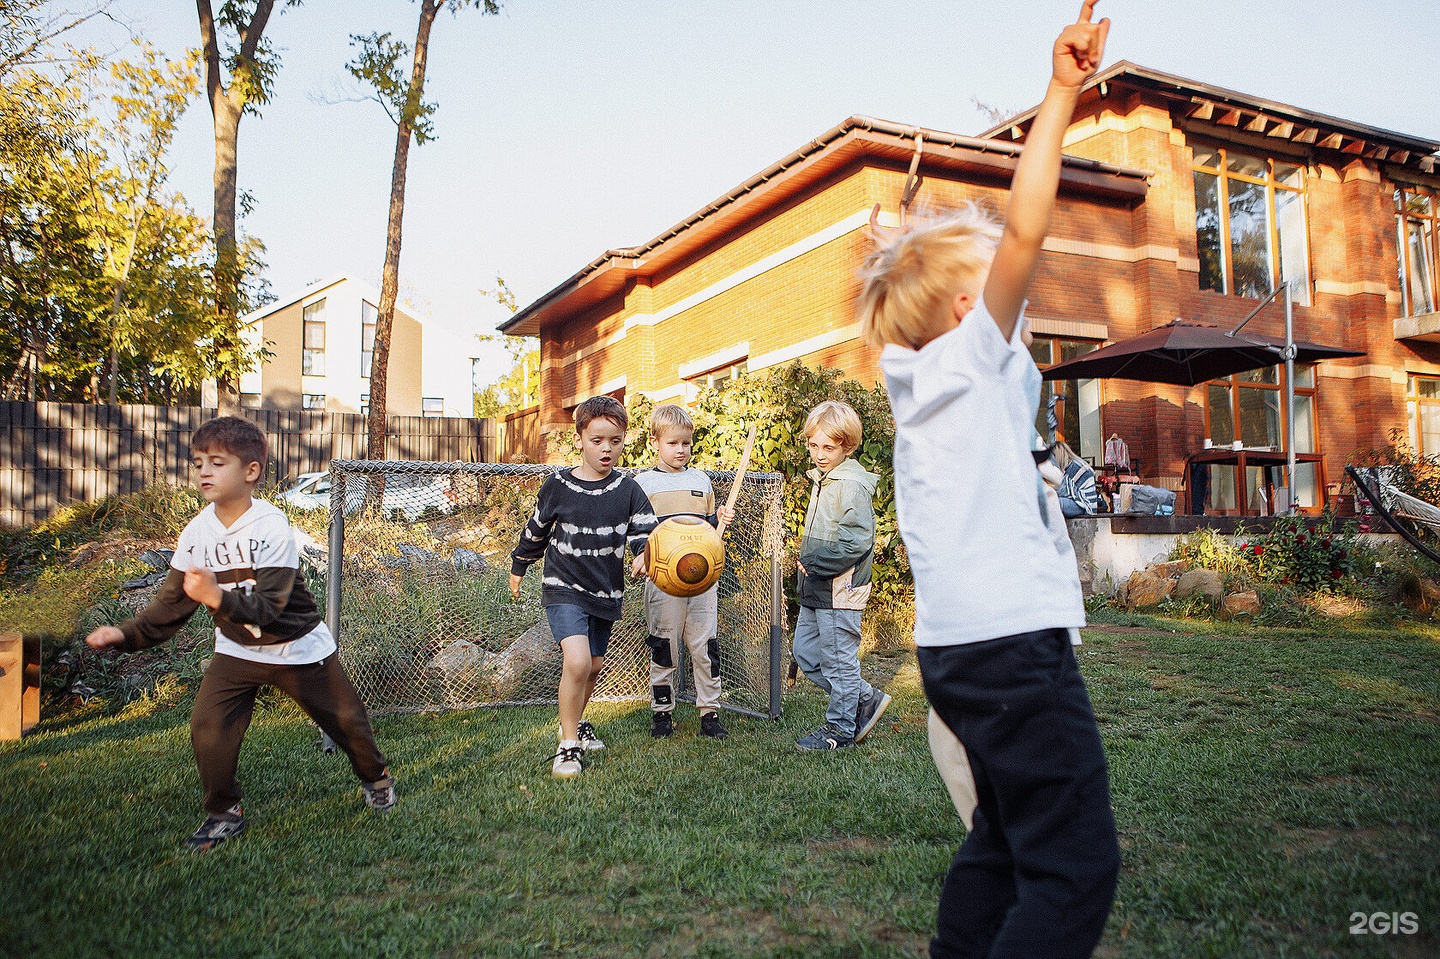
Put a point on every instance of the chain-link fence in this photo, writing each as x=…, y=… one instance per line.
x=418, y=594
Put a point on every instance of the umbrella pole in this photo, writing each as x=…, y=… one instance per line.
x=1289, y=400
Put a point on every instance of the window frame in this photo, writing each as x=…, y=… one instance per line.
x=312, y=358
x=1414, y=403
x=1306, y=390
x=1272, y=185
x=312, y=401
x=1404, y=265
x=1055, y=346
x=367, y=344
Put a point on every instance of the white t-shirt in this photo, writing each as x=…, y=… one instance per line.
x=985, y=552
x=258, y=539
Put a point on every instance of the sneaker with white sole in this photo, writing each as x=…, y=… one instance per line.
x=826, y=737
x=869, y=713
x=588, y=740
x=380, y=795
x=567, y=763
x=217, y=829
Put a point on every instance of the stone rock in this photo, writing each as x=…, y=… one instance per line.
x=1200, y=582
x=1170, y=570
x=1146, y=589
x=1242, y=604
x=469, y=671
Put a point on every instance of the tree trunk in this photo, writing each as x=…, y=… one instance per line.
x=390, y=279
x=227, y=106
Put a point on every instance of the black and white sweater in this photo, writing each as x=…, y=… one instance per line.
x=581, y=527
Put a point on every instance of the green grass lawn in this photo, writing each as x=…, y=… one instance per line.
x=1267, y=786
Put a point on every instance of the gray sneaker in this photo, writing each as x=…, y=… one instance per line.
x=217, y=829
x=826, y=737
x=380, y=795
x=869, y=713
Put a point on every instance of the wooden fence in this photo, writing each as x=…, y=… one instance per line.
x=52, y=454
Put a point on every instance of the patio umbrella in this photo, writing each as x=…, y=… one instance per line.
x=1186, y=353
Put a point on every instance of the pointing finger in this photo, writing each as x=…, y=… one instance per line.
x=1087, y=10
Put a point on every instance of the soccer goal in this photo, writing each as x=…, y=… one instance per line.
x=418, y=595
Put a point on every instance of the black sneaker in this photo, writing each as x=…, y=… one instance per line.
x=217, y=829
x=588, y=740
x=380, y=795
x=826, y=737
x=869, y=712
x=710, y=726
x=661, y=725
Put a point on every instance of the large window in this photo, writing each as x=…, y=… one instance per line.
x=1079, y=422
x=1250, y=224
x=369, y=315
x=313, y=321
x=1250, y=407
x=1416, y=213
x=1424, y=403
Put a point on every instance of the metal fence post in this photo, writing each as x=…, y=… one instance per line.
x=777, y=635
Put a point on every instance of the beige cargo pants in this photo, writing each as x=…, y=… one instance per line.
x=671, y=620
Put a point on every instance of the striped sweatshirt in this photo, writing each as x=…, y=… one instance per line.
x=581, y=527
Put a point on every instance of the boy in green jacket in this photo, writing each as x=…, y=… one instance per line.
x=833, y=578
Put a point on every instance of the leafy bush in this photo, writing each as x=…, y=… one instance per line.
x=1302, y=555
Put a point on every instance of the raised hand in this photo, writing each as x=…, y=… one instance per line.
x=1080, y=48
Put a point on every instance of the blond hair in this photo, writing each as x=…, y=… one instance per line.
x=839, y=420
x=669, y=416
x=913, y=275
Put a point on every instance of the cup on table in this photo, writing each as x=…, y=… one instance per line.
x=1237, y=445
x=1209, y=443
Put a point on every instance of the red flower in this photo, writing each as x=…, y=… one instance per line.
x=1341, y=555
x=1259, y=549
x=1325, y=543
x=1336, y=574
x=1301, y=539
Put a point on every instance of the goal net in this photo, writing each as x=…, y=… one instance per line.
x=418, y=595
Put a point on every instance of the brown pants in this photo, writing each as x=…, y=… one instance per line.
x=226, y=701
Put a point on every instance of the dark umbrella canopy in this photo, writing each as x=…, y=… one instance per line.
x=1186, y=354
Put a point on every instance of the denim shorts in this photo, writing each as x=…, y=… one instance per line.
x=568, y=619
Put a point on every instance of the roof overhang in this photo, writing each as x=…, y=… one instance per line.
x=857, y=142
x=1227, y=110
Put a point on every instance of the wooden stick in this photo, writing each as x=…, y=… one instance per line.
x=740, y=471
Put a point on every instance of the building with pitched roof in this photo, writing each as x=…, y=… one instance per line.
x=1177, y=199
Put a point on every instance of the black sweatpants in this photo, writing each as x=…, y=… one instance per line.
x=226, y=701
x=1036, y=876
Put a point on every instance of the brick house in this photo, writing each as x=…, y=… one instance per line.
x=1177, y=199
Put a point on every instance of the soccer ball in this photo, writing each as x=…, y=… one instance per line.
x=684, y=556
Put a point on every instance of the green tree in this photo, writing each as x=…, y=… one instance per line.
x=516, y=389
x=102, y=271
x=378, y=64
x=251, y=63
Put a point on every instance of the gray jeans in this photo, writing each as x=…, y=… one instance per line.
x=827, y=650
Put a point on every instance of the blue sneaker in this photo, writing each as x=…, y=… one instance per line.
x=826, y=737
x=869, y=713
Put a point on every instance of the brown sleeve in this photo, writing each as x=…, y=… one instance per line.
x=163, y=617
x=262, y=606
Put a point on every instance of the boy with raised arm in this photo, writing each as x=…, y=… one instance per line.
x=583, y=519
x=997, y=600
x=238, y=559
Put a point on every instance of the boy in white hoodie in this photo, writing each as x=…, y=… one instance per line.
x=238, y=559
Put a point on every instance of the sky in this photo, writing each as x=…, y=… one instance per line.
x=570, y=127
